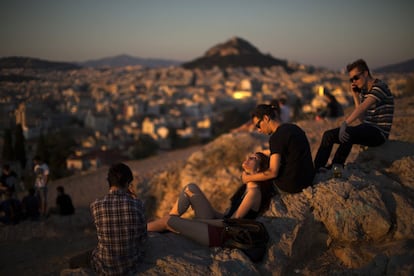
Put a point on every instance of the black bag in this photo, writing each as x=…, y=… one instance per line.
x=248, y=235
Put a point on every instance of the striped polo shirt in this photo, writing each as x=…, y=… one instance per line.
x=381, y=113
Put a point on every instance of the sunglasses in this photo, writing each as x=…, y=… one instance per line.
x=252, y=157
x=258, y=123
x=356, y=77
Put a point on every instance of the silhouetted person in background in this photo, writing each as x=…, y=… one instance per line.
x=11, y=209
x=31, y=205
x=8, y=180
x=333, y=108
x=285, y=116
x=64, y=202
x=64, y=205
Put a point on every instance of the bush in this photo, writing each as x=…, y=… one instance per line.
x=145, y=147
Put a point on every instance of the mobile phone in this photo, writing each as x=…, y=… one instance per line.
x=356, y=89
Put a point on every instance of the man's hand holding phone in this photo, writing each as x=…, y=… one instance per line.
x=355, y=89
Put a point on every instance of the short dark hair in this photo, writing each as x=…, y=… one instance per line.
x=60, y=189
x=282, y=101
x=37, y=158
x=32, y=191
x=360, y=64
x=119, y=175
x=273, y=111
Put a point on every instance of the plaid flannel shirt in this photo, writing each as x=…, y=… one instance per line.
x=122, y=232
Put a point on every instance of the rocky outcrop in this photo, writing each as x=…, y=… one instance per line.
x=358, y=224
x=235, y=52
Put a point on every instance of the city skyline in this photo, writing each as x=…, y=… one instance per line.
x=319, y=33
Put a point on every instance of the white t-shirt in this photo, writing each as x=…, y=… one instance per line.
x=41, y=172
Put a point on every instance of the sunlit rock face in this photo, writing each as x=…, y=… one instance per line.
x=235, y=46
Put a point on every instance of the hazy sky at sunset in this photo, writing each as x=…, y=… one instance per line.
x=322, y=33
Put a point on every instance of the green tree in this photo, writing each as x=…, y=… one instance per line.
x=176, y=141
x=8, y=152
x=42, y=148
x=145, y=147
x=20, y=146
x=58, y=147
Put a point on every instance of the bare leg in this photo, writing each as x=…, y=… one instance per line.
x=194, y=197
x=158, y=225
x=194, y=230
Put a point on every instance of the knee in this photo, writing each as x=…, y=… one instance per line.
x=190, y=189
x=328, y=137
x=171, y=223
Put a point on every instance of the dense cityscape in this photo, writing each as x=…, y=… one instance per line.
x=131, y=112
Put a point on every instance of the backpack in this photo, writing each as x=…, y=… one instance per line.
x=250, y=236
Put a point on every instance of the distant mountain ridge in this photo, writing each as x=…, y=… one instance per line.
x=127, y=60
x=235, y=52
x=35, y=63
x=401, y=67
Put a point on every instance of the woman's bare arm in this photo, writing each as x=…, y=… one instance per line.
x=251, y=201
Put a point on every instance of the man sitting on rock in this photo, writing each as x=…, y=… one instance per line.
x=374, y=107
x=121, y=226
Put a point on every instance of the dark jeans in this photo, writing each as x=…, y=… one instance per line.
x=362, y=134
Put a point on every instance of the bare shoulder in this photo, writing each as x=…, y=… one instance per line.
x=252, y=186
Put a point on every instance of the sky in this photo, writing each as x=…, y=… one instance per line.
x=329, y=33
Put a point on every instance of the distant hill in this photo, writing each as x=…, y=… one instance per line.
x=126, y=60
x=236, y=52
x=402, y=67
x=34, y=63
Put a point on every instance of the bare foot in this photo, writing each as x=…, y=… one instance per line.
x=158, y=225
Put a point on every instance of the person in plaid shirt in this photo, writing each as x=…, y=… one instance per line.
x=121, y=227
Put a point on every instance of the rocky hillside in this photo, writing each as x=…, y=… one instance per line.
x=359, y=224
x=401, y=67
x=127, y=60
x=235, y=52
